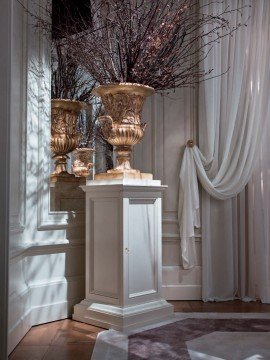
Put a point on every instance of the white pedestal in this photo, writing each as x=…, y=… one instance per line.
x=123, y=255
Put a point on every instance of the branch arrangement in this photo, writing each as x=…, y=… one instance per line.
x=158, y=43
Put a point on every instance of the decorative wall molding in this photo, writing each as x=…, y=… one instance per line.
x=38, y=248
x=172, y=121
x=171, y=254
x=19, y=111
x=16, y=225
x=53, y=248
x=52, y=312
x=176, y=237
x=181, y=284
x=18, y=330
x=46, y=218
x=183, y=292
x=6, y=100
x=23, y=91
x=39, y=132
x=37, y=310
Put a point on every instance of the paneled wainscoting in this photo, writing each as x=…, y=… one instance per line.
x=46, y=281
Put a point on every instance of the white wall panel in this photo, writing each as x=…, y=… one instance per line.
x=47, y=266
x=170, y=119
x=171, y=252
x=45, y=284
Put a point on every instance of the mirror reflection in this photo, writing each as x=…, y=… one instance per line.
x=77, y=146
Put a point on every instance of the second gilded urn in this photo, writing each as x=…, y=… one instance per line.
x=64, y=135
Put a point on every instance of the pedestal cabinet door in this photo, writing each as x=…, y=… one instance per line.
x=142, y=249
x=104, y=248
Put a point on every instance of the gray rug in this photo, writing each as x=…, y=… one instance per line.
x=191, y=336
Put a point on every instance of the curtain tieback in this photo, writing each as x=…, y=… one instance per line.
x=190, y=143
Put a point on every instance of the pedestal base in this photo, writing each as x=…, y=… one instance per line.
x=122, y=318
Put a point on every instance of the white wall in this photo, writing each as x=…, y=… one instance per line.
x=171, y=122
x=46, y=248
x=5, y=56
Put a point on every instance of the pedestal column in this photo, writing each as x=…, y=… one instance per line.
x=123, y=255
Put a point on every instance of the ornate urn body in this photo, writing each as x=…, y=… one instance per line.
x=82, y=162
x=121, y=125
x=64, y=135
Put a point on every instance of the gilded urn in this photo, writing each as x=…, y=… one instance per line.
x=64, y=134
x=83, y=162
x=121, y=125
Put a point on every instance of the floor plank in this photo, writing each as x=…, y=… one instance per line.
x=69, y=352
x=65, y=340
x=30, y=352
x=72, y=340
x=227, y=306
x=42, y=334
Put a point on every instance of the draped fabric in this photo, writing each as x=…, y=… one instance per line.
x=233, y=109
x=251, y=223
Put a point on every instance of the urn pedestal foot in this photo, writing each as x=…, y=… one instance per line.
x=63, y=177
x=115, y=175
x=123, y=255
x=60, y=169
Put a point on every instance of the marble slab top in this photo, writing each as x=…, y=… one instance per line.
x=130, y=182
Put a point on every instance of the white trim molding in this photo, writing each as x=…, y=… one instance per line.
x=5, y=105
x=38, y=132
x=70, y=291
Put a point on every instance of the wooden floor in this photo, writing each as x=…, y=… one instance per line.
x=71, y=340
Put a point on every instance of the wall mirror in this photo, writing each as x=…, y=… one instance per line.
x=78, y=149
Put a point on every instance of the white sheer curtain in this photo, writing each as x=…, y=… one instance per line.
x=232, y=112
x=251, y=225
